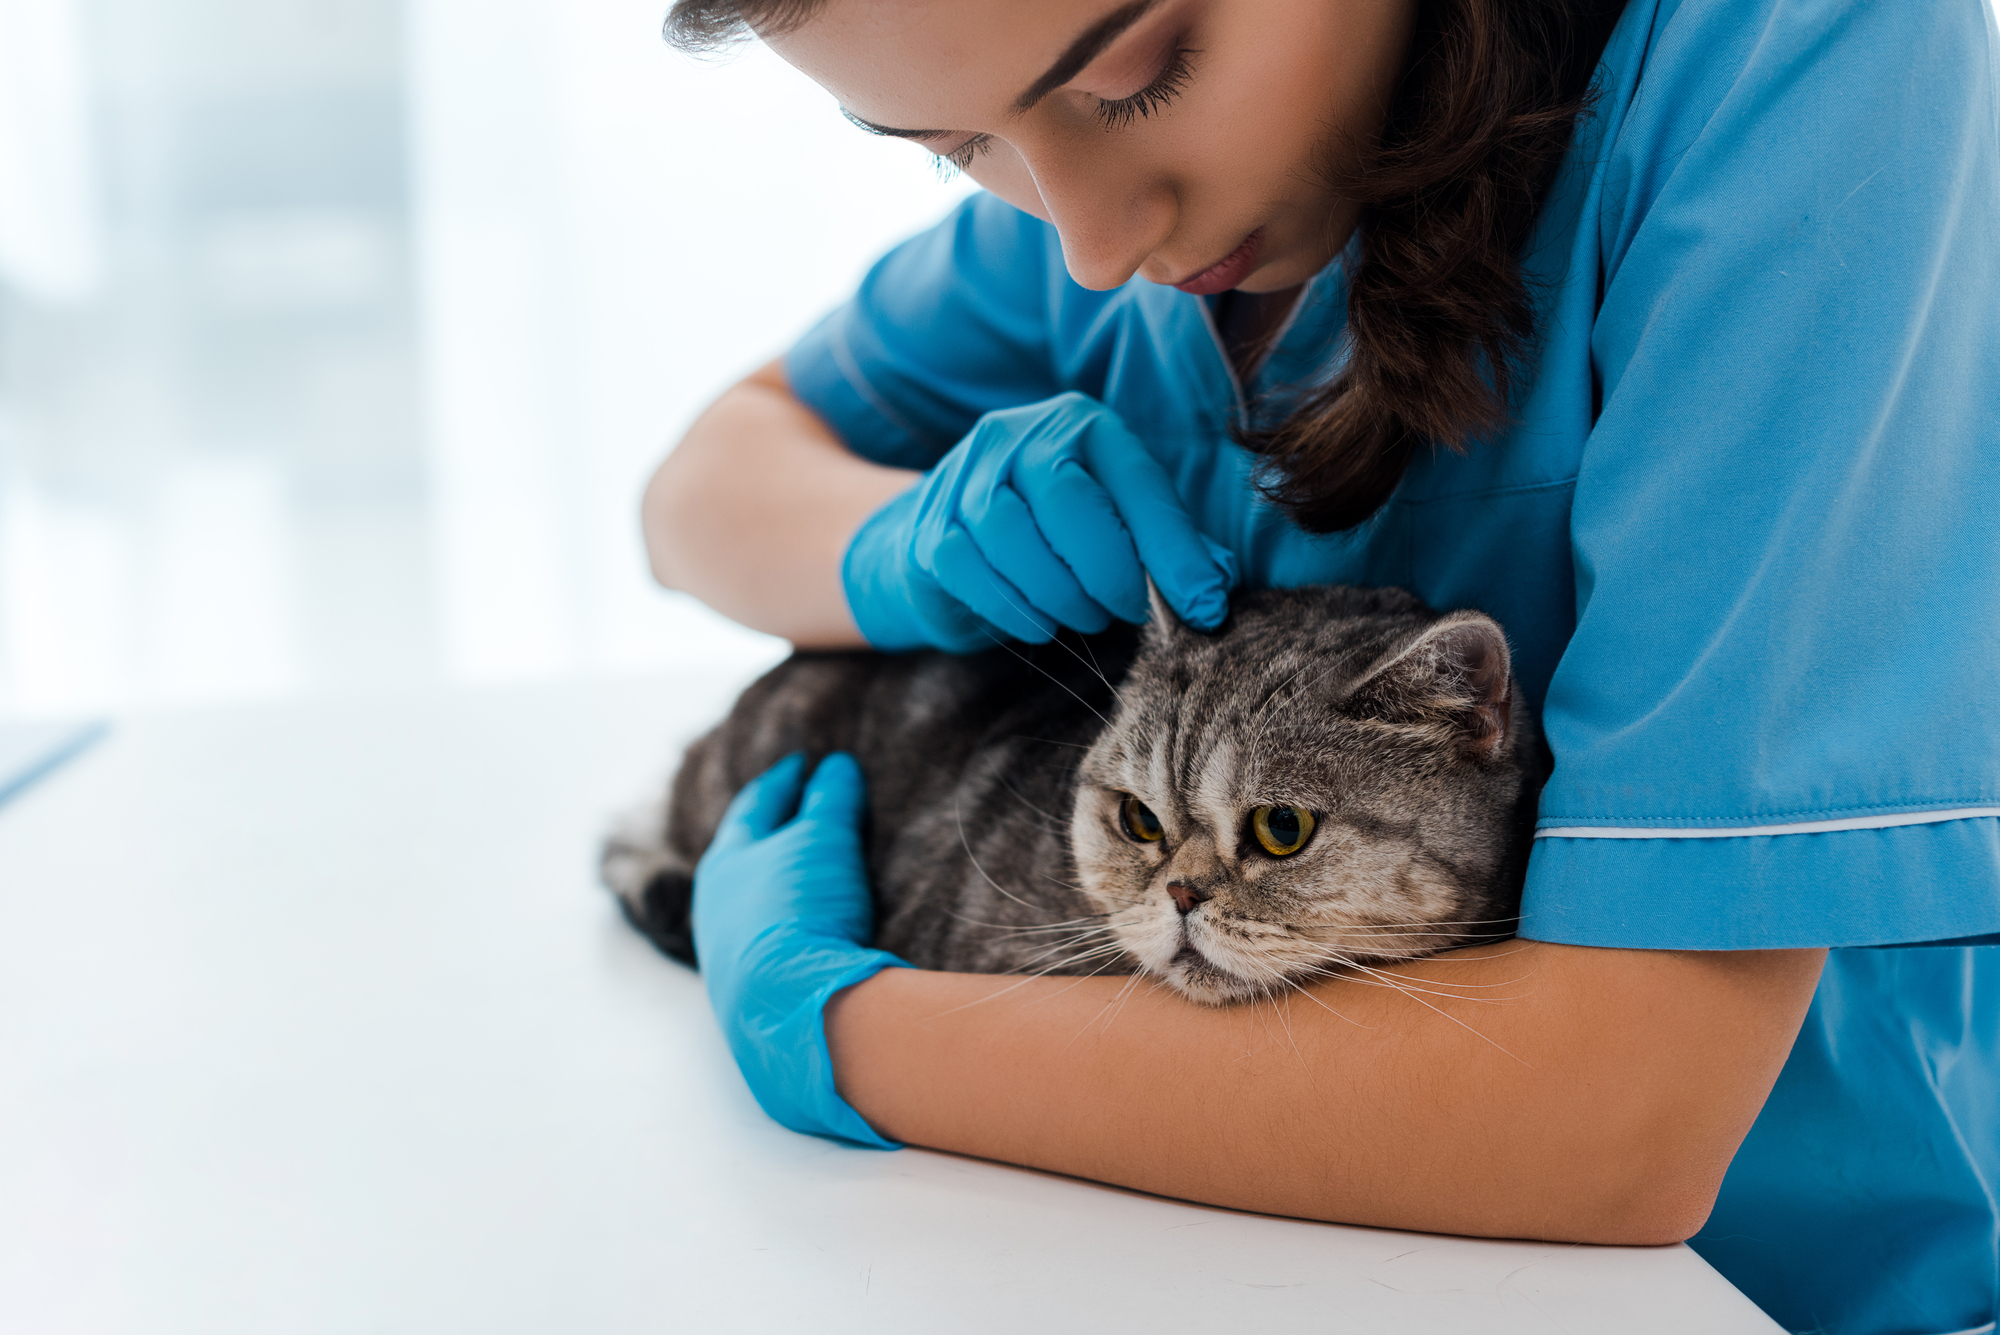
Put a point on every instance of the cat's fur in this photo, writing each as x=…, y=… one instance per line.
x=995, y=781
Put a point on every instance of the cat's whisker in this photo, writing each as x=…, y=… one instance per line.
x=1281, y=1006
x=1109, y=957
x=1081, y=981
x=1353, y=936
x=1475, y=959
x=1416, y=940
x=958, y=818
x=1023, y=980
x=1018, y=983
x=1015, y=929
x=1055, y=823
x=1389, y=981
x=1089, y=952
x=1404, y=945
x=1440, y=922
x=1117, y=1003
x=1350, y=962
x=1122, y=901
x=1125, y=994
x=1051, y=676
x=1402, y=984
x=1497, y=1047
x=1302, y=990
x=1101, y=892
x=1047, y=927
x=1410, y=929
x=1440, y=982
x=1060, y=946
x=1048, y=741
x=1284, y=1022
x=1348, y=936
x=1091, y=663
x=1076, y=937
x=1117, y=1000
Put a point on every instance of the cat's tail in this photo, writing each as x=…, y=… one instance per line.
x=654, y=884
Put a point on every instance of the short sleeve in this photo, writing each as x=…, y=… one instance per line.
x=946, y=327
x=1777, y=723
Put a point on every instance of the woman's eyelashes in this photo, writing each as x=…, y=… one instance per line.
x=1115, y=113
x=1167, y=85
x=960, y=159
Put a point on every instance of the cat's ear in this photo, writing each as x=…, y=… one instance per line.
x=1456, y=677
x=1163, y=624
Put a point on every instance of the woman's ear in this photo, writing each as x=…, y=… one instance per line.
x=1455, y=677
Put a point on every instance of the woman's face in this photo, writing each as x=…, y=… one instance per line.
x=1185, y=141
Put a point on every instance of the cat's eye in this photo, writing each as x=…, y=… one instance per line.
x=1281, y=831
x=1139, y=821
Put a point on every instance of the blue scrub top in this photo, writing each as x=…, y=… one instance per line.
x=1744, y=537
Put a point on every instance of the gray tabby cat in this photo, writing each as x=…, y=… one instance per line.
x=1337, y=775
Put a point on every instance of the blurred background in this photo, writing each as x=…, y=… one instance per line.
x=338, y=337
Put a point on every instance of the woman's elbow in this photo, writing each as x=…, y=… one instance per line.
x=1657, y=1195
x=661, y=522
x=1653, y=1218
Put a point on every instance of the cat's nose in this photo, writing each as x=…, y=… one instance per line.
x=1186, y=896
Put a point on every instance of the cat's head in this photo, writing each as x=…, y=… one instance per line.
x=1337, y=775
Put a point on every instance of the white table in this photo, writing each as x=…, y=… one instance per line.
x=312, y=1019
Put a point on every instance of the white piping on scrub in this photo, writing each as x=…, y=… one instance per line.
x=1751, y=831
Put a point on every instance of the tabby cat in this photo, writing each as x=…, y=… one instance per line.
x=1337, y=775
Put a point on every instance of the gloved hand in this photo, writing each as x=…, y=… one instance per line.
x=782, y=917
x=1044, y=516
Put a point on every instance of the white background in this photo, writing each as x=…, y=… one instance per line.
x=337, y=337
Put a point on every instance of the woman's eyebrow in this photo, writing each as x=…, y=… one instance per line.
x=1078, y=54
x=891, y=131
x=1084, y=50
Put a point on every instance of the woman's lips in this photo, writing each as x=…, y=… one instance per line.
x=1228, y=271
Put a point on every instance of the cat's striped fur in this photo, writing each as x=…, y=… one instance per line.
x=995, y=840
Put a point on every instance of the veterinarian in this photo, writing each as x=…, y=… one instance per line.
x=1667, y=334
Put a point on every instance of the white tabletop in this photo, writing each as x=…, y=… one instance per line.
x=313, y=1019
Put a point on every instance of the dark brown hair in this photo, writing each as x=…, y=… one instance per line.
x=1440, y=321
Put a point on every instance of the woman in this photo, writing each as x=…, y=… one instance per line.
x=1666, y=335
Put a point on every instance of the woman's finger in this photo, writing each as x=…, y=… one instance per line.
x=1082, y=525
x=763, y=804
x=1171, y=548
x=1008, y=532
x=1008, y=536
x=837, y=793
x=957, y=564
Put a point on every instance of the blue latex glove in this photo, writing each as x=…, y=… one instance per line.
x=1044, y=516
x=782, y=917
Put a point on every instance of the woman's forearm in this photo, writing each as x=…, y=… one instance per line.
x=753, y=511
x=1590, y=1095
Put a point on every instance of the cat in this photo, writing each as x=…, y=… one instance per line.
x=1336, y=776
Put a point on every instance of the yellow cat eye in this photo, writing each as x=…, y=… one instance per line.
x=1282, y=831
x=1139, y=821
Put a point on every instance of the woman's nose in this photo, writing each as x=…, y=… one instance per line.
x=1186, y=896
x=1108, y=222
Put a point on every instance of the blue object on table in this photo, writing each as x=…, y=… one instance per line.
x=30, y=750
